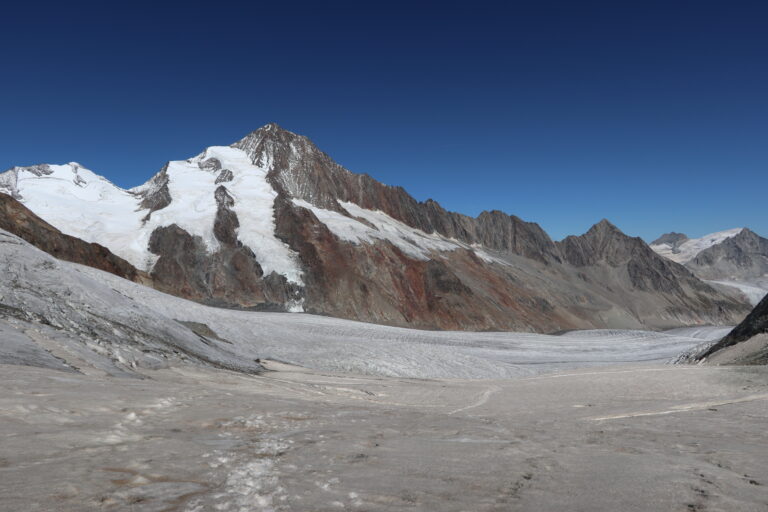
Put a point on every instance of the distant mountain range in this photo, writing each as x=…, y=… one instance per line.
x=273, y=223
x=737, y=258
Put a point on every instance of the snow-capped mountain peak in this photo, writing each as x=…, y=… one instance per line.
x=83, y=204
x=683, y=250
x=272, y=222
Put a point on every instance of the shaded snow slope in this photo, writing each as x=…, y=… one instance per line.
x=688, y=250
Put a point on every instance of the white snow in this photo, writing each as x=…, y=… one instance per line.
x=411, y=241
x=753, y=293
x=82, y=204
x=254, y=205
x=691, y=248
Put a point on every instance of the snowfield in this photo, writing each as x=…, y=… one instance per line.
x=690, y=248
x=80, y=203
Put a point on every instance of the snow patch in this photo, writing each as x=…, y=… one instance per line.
x=380, y=226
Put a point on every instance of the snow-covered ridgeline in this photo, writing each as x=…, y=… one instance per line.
x=80, y=203
x=688, y=250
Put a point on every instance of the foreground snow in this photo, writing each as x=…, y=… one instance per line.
x=635, y=439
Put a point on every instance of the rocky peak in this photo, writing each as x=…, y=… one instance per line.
x=297, y=168
x=672, y=239
x=604, y=228
x=743, y=256
x=272, y=144
x=603, y=242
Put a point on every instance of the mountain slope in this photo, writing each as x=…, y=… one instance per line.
x=271, y=222
x=746, y=344
x=681, y=249
x=744, y=256
x=18, y=220
x=737, y=258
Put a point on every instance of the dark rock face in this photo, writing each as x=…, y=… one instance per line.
x=744, y=256
x=226, y=224
x=674, y=240
x=754, y=325
x=230, y=277
x=224, y=176
x=17, y=219
x=379, y=283
x=156, y=196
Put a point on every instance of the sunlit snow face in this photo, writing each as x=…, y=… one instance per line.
x=83, y=204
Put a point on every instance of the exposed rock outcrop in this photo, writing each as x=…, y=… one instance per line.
x=746, y=344
x=674, y=240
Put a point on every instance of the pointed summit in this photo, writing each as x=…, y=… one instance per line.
x=673, y=239
x=603, y=242
x=269, y=132
x=604, y=226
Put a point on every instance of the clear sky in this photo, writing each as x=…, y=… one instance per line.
x=651, y=114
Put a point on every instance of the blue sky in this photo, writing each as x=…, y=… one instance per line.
x=651, y=114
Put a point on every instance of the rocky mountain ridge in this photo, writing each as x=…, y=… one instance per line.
x=271, y=222
x=737, y=258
